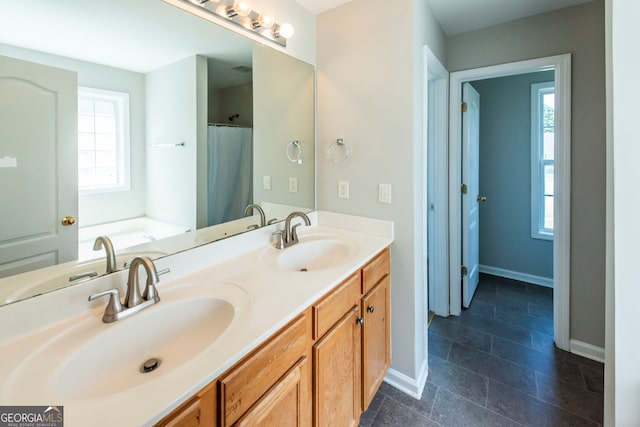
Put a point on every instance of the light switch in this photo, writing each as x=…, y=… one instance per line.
x=384, y=193
x=343, y=189
x=266, y=182
x=293, y=185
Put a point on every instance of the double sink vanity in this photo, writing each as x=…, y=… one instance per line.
x=236, y=332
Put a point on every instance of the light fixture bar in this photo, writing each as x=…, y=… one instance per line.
x=217, y=11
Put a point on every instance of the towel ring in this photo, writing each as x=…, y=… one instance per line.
x=294, y=152
x=335, y=148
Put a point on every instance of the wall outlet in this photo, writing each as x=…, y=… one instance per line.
x=266, y=182
x=293, y=185
x=384, y=193
x=343, y=189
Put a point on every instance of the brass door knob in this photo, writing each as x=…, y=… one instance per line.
x=68, y=220
x=482, y=198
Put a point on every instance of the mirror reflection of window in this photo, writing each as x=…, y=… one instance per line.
x=103, y=140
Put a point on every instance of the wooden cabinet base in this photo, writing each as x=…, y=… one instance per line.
x=322, y=369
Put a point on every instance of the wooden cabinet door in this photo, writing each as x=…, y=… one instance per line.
x=375, y=340
x=199, y=412
x=336, y=374
x=285, y=404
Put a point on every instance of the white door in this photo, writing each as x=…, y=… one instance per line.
x=470, y=200
x=38, y=166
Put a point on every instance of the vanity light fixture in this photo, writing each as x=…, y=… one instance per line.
x=240, y=13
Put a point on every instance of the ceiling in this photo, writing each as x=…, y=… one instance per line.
x=319, y=6
x=140, y=35
x=459, y=16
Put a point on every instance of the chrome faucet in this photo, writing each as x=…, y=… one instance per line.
x=133, y=301
x=263, y=219
x=105, y=242
x=289, y=236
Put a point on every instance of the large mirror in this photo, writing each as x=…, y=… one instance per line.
x=143, y=123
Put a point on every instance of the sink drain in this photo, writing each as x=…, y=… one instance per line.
x=303, y=269
x=150, y=365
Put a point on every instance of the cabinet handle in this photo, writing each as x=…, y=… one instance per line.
x=371, y=309
x=360, y=320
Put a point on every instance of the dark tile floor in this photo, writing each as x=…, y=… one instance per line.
x=496, y=365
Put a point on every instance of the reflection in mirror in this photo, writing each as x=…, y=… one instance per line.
x=139, y=122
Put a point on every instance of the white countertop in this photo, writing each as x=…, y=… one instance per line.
x=275, y=297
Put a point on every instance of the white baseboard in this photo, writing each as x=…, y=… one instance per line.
x=587, y=350
x=408, y=385
x=523, y=277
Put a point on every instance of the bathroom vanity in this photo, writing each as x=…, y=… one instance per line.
x=245, y=334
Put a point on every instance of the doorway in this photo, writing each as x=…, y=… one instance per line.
x=436, y=186
x=561, y=65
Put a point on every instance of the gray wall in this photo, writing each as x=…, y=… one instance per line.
x=505, y=177
x=577, y=30
x=370, y=92
x=227, y=101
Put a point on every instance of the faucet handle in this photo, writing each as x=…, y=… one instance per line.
x=150, y=291
x=113, y=306
x=294, y=233
x=279, y=237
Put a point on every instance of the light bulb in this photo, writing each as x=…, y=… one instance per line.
x=222, y=10
x=266, y=20
x=242, y=7
x=286, y=30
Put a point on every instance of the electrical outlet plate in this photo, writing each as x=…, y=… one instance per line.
x=384, y=193
x=343, y=189
x=266, y=182
x=293, y=185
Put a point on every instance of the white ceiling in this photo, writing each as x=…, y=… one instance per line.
x=459, y=16
x=319, y=6
x=139, y=35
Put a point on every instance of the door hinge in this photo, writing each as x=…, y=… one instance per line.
x=463, y=270
x=464, y=107
x=463, y=188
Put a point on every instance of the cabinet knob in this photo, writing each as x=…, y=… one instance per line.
x=371, y=309
x=360, y=320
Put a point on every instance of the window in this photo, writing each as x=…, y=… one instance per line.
x=542, y=157
x=103, y=140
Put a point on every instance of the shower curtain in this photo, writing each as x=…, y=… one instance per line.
x=229, y=170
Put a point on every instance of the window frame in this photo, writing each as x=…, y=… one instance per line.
x=123, y=143
x=538, y=163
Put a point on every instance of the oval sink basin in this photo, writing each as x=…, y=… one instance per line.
x=311, y=253
x=92, y=359
x=173, y=334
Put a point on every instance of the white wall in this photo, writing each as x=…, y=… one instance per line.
x=97, y=208
x=622, y=364
x=173, y=117
x=370, y=93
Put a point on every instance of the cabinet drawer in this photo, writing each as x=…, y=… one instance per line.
x=375, y=271
x=246, y=383
x=331, y=308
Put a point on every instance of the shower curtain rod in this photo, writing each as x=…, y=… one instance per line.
x=228, y=125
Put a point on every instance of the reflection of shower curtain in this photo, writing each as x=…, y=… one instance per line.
x=229, y=169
